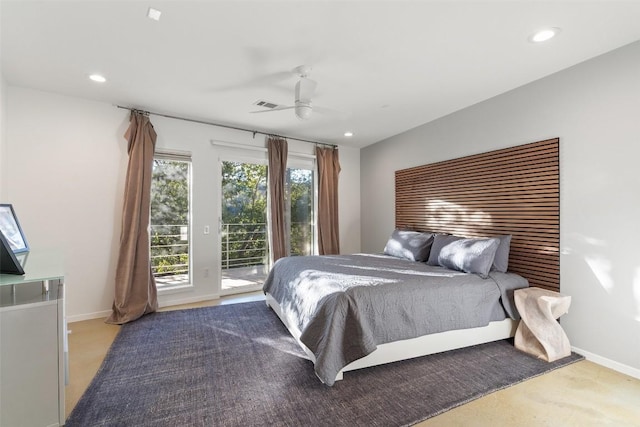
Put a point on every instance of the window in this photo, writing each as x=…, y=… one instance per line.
x=244, y=214
x=299, y=206
x=171, y=219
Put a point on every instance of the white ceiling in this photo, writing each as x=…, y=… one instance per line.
x=390, y=65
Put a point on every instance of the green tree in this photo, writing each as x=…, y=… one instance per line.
x=300, y=196
x=244, y=213
x=170, y=217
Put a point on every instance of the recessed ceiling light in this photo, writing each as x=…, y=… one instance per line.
x=154, y=14
x=97, y=78
x=348, y=134
x=544, y=35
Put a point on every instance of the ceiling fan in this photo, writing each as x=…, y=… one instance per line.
x=304, y=90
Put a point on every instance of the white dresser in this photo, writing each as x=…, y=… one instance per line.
x=33, y=343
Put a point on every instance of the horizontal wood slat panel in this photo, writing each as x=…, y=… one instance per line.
x=509, y=191
x=536, y=163
x=468, y=229
x=516, y=154
x=520, y=183
x=507, y=188
x=541, y=170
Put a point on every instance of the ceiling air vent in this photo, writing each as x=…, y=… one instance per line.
x=265, y=104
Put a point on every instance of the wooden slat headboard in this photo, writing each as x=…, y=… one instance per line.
x=510, y=191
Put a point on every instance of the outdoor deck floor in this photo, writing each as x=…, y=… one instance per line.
x=232, y=278
x=243, y=276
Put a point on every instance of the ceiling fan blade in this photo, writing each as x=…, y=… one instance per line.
x=305, y=89
x=273, y=109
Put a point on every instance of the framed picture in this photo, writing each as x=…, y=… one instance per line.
x=9, y=263
x=11, y=229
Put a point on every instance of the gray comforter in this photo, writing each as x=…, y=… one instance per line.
x=348, y=304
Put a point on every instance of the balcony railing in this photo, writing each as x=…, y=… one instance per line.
x=170, y=253
x=243, y=245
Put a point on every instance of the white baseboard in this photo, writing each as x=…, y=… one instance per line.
x=608, y=363
x=106, y=313
x=88, y=316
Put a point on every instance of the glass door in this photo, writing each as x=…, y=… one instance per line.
x=243, y=226
x=243, y=230
x=300, y=210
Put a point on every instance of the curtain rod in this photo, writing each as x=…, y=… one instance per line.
x=254, y=132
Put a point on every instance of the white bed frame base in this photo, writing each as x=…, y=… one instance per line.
x=414, y=347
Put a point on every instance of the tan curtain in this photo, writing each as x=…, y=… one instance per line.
x=135, y=293
x=277, y=149
x=328, y=171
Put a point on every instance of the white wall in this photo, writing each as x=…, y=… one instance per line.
x=66, y=163
x=3, y=131
x=3, y=134
x=594, y=108
x=349, y=200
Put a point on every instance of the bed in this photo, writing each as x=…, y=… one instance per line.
x=355, y=311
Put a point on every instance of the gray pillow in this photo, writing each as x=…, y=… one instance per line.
x=412, y=245
x=501, y=261
x=469, y=255
x=440, y=241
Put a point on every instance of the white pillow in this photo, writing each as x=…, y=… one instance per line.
x=469, y=255
x=411, y=245
x=439, y=242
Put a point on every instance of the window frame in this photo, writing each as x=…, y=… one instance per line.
x=186, y=157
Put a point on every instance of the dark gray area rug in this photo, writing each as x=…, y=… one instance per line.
x=236, y=365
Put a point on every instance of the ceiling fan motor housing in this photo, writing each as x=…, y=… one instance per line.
x=303, y=110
